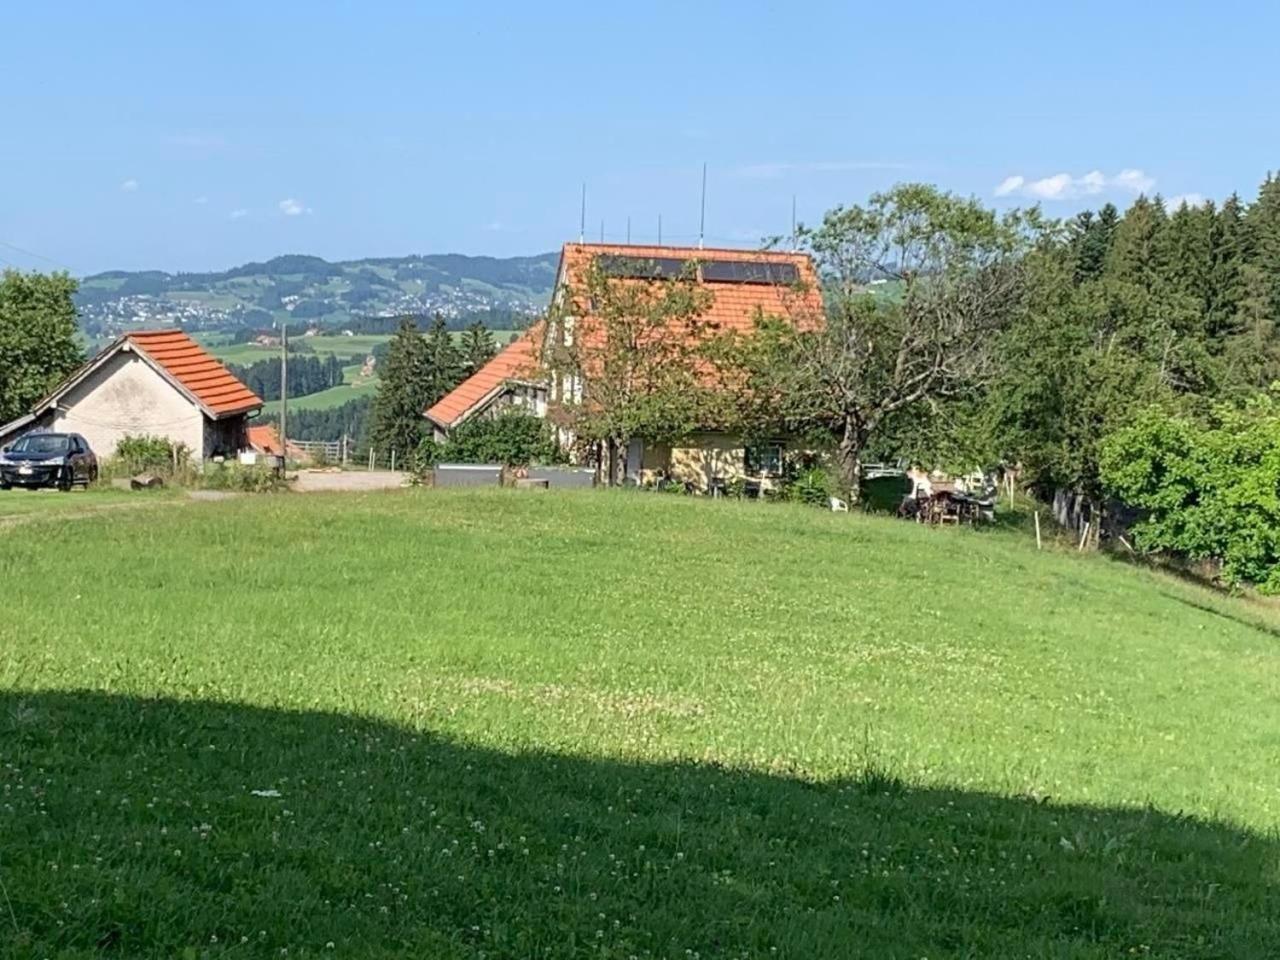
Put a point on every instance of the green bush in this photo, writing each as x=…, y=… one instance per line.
x=1207, y=491
x=812, y=486
x=241, y=478
x=151, y=454
x=513, y=438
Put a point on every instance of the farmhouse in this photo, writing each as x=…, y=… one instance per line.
x=742, y=285
x=159, y=384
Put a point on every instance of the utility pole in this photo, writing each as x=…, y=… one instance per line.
x=284, y=388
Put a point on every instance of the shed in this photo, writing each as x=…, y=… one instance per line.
x=158, y=384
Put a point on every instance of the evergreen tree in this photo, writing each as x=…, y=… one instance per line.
x=1140, y=251
x=443, y=364
x=1190, y=252
x=1263, y=221
x=404, y=394
x=478, y=347
x=1091, y=241
x=1228, y=245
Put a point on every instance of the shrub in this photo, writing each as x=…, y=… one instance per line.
x=513, y=438
x=151, y=454
x=1207, y=491
x=812, y=486
x=242, y=478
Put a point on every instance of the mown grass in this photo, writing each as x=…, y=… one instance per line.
x=17, y=503
x=590, y=725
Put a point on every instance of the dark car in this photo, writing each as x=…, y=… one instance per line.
x=48, y=460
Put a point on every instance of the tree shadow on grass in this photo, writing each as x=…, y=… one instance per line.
x=132, y=828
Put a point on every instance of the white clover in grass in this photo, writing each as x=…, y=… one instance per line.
x=266, y=793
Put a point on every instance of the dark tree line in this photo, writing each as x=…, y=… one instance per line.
x=350, y=419
x=308, y=374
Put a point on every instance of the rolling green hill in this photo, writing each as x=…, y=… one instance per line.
x=308, y=290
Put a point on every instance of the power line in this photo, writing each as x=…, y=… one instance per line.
x=38, y=256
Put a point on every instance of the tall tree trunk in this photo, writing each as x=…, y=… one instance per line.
x=613, y=462
x=849, y=461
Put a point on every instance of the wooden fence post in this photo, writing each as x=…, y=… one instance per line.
x=1037, y=529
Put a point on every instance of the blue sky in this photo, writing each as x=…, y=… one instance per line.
x=199, y=136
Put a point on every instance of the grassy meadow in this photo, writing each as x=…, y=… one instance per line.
x=509, y=725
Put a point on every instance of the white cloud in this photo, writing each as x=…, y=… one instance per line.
x=775, y=171
x=202, y=200
x=1190, y=199
x=129, y=186
x=238, y=214
x=1008, y=185
x=293, y=208
x=1065, y=186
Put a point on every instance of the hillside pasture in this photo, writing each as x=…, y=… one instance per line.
x=610, y=725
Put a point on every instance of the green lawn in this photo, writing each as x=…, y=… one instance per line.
x=16, y=504
x=505, y=725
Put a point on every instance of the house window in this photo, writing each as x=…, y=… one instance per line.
x=764, y=460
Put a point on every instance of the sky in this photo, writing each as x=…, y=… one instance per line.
x=181, y=136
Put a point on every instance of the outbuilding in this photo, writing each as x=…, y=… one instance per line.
x=156, y=384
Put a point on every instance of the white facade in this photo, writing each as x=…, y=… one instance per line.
x=126, y=396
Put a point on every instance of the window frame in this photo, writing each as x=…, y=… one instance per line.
x=757, y=466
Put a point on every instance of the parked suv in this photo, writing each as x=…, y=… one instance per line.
x=48, y=460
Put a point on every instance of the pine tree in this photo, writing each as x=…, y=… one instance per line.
x=444, y=365
x=1140, y=251
x=1263, y=221
x=1228, y=245
x=404, y=393
x=1189, y=267
x=478, y=347
x=1091, y=242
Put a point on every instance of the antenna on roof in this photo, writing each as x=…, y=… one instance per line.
x=794, y=243
x=628, y=231
x=582, y=221
x=702, y=219
x=602, y=230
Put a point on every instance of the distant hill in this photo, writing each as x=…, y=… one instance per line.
x=311, y=289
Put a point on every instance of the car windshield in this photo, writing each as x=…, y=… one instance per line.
x=42, y=443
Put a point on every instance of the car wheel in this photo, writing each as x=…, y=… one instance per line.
x=66, y=479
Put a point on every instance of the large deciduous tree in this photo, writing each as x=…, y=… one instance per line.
x=38, y=344
x=952, y=280
x=625, y=358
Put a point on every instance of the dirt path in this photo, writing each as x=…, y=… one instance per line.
x=318, y=481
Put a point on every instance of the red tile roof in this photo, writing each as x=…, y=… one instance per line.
x=265, y=439
x=734, y=306
x=515, y=361
x=197, y=371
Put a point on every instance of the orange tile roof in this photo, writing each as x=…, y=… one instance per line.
x=266, y=439
x=196, y=370
x=515, y=361
x=734, y=306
